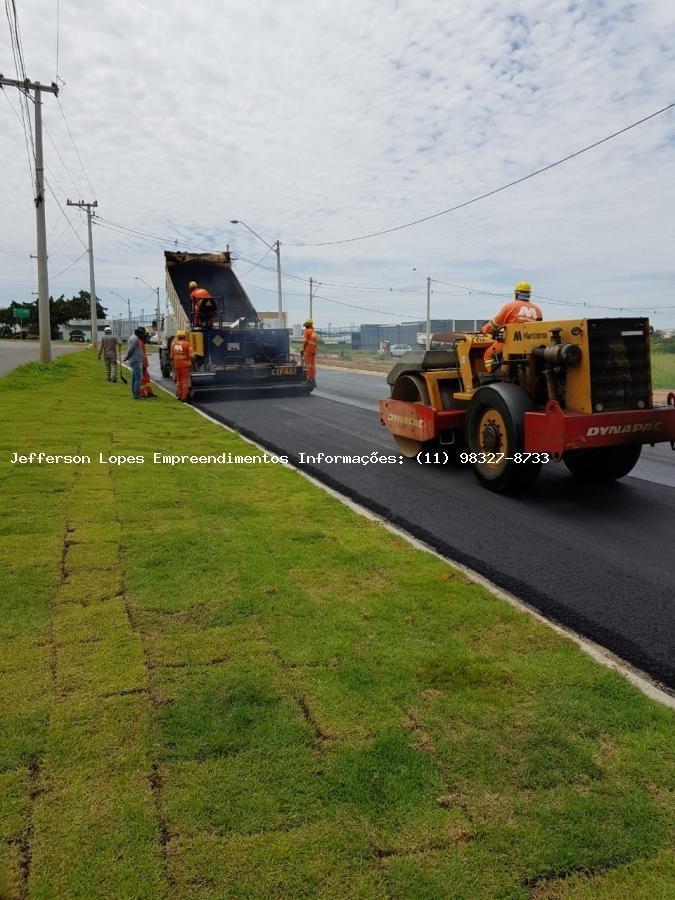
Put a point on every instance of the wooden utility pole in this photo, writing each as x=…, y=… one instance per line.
x=92, y=284
x=43, y=274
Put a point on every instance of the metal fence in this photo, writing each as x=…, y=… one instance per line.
x=373, y=335
x=122, y=326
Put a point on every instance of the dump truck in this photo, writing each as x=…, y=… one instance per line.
x=236, y=354
x=577, y=391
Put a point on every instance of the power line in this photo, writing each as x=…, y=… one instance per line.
x=380, y=312
x=571, y=303
x=64, y=214
x=63, y=271
x=29, y=148
x=255, y=265
x=77, y=152
x=56, y=150
x=491, y=193
x=58, y=23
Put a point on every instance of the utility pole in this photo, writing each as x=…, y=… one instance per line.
x=156, y=290
x=428, y=338
x=92, y=285
x=277, y=250
x=43, y=274
x=311, y=295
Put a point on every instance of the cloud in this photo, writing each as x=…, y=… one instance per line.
x=323, y=121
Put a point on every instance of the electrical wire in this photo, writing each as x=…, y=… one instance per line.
x=380, y=312
x=557, y=302
x=491, y=193
x=77, y=152
x=63, y=271
x=20, y=68
x=56, y=150
x=31, y=164
x=58, y=23
x=255, y=265
x=64, y=214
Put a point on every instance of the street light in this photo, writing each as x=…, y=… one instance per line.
x=276, y=247
x=428, y=326
x=157, y=315
x=128, y=303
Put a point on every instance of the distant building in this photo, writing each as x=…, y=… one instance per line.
x=83, y=325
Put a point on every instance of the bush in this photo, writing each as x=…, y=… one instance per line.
x=662, y=344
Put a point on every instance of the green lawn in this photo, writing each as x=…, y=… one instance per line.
x=663, y=370
x=220, y=682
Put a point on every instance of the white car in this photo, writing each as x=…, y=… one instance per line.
x=399, y=349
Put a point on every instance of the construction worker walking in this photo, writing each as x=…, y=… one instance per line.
x=309, y=346
x=109, y=348
x=203, y=306
x=520, y=309
x=182, y=355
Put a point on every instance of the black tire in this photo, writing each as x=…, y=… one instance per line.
x=411, y=388
x=602, y=464
x=164, y=363
x=495, y=424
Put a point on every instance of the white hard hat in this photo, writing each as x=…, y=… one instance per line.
x=108, y=329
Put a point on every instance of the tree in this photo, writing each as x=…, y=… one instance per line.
x=60, y=312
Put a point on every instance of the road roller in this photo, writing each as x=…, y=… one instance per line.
x=574, y=391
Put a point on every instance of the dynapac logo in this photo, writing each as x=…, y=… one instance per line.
x=596, y=430
x=530, y=335
x=405, y=420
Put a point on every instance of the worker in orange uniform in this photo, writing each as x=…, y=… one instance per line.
x=309, y=345
x=146, y=384
x=203, y=306
x=520, y=309
x=182, y=355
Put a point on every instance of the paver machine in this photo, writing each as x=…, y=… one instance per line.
x=577, y=391
x=235, y=354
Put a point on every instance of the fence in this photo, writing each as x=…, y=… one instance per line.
x=122, y=326
x=373, y=335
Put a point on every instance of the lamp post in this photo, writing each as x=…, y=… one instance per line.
x=276, y=247
x=157, y=314
x=128, y=303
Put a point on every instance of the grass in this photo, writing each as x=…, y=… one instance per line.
x=223, y=683
x=663, y=370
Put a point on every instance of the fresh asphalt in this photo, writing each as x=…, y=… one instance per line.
x=597, y=559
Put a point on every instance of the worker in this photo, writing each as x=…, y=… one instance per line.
x=146, y=384
x=520, y=309
x=109, y=347
x=309, y=345
x=182, y=355
x=134, y=356
x=203, y=306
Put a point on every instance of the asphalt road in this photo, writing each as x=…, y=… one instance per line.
x=598, y=560
x=16, y=353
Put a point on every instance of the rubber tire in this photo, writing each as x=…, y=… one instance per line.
x=413, y=389
x=512, y=402
x=164, y=363
x=602, y=464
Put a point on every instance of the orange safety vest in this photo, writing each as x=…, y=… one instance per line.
x=181, y=354
x=309, y=342
x=516, y=311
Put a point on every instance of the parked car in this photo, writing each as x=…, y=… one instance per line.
x=77, y=336
x=399, y=349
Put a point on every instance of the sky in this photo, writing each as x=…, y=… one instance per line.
x=323, y=121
